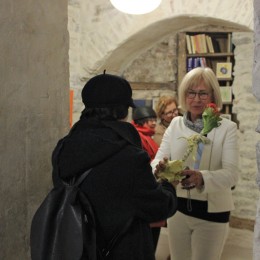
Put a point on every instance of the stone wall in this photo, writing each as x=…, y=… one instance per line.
x=156, y=65
x=247, y=109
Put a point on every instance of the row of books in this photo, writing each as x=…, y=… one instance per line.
x=223, y=70
x=202, y=43
x=194, y=62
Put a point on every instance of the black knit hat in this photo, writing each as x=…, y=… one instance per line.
x=143, y=112
x=107, y=90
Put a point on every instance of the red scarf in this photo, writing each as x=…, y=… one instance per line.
x=149, y=145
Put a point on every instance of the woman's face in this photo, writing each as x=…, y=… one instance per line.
x=170, y=112
x=197, y=98
x=151, y=123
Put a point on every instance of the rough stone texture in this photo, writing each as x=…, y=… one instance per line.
x=256, y=64
x=34, y=111
x=143, y=49
x=158, y=64
x=247, y=109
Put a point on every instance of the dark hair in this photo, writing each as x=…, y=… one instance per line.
x=142, y=121
x=116, y=112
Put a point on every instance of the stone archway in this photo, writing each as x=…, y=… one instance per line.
x=97, y=29
x=129, y=50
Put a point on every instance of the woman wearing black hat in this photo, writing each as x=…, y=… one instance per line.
x=145, y=120
x=121, y=185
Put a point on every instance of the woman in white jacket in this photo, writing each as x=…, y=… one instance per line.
x=199, y=229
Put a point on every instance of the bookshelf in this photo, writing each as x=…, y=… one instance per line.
x=209, y=49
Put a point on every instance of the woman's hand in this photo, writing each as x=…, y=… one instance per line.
x=160, y=167
x=193, y=179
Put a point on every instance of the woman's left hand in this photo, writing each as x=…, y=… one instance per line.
x=193, y=179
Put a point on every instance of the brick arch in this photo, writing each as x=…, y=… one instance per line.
x=132, y=47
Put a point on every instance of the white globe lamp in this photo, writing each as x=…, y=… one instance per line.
x=135, y=6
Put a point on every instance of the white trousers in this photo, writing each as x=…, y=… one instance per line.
x=256, y=243
x=196, y=239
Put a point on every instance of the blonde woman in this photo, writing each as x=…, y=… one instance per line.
x=200, y=227
x=166, y=110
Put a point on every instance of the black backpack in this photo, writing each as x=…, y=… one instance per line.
x=64, y=227
x=62, y=224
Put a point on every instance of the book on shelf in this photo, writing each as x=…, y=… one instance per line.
x=193, y=44
x=209, y=44
x=203, y=43
x=196, y=44
x=189, y=64
x=223, y=45
x=226, y=94
x=194, y=62
x=215, y=44
x=188, y=44
x=203, y=62
x=224, y=70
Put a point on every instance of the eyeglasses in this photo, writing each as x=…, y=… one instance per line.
x=170, y=113
x=201, y=95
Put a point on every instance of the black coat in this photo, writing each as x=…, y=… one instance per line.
x=121, y=184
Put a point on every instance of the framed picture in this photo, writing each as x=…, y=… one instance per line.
x=226, y=95
x=224, y=70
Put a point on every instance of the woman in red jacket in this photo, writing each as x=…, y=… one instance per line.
x=145, y=120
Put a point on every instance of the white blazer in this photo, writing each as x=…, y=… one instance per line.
x=219, y=162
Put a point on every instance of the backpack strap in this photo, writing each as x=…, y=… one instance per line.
x=106, y=251
x=82, y=177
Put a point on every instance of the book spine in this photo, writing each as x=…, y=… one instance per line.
x=188, y=43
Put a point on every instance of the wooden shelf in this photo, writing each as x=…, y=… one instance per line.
x=211, y=55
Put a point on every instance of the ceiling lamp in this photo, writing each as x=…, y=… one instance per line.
x=136, y=6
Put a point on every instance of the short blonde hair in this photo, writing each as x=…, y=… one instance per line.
x=163, y=102
x=194, y=78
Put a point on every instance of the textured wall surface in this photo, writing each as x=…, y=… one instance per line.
x=247, y=109
x=34, y=111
